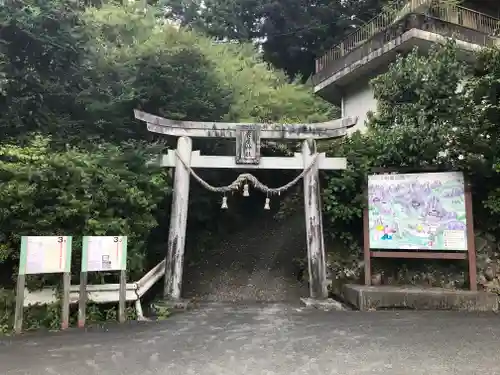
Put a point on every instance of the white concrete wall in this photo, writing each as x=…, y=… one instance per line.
x=358, y=100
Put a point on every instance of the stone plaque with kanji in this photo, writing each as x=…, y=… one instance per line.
x=248, y=144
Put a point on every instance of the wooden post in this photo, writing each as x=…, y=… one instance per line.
x=178, y=222
x=82, y=302
x=18, y=318
x=471, y=241
x=314, y=226
x=122, y=297
x=366, y=246
x=65, y=300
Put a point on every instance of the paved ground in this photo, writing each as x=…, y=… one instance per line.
x=268, y=339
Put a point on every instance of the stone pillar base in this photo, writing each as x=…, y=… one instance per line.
x=328, y=304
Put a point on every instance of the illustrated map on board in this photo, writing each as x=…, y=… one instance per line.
x=423, y=211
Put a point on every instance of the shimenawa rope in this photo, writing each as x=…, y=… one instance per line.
x=247, y=177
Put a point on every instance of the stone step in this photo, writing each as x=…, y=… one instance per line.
x=368, y=298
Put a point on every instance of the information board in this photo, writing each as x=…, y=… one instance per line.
x=104, y=253
x=45, y=254
x=424, y=211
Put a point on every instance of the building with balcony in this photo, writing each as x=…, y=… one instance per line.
x=343, y=74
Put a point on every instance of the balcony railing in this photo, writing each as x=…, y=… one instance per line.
x=448, y=13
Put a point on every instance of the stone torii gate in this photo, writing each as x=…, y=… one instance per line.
x=248, y=137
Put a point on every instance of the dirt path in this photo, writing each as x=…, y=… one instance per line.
x=254, y=264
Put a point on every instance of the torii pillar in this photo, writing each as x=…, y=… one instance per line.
x=247, y=156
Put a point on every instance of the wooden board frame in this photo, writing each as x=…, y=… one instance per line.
x=21, y=284
x=469, y=255
x=122, y=291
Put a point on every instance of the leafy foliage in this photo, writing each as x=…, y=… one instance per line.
x=292, y=33
x=41, y=51
x=137, y=62
x=270, y=98
x=103, y=192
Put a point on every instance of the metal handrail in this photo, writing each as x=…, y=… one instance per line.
x=449, y=13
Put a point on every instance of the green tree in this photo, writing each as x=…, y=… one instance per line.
x=41, y=50
x=260, y=93
x=139, y=63
x=292, y=33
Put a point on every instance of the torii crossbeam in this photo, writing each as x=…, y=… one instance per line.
x=247, y=155
x=321, y=130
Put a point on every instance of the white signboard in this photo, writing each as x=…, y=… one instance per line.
x=45, y=254
x=104, y=253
